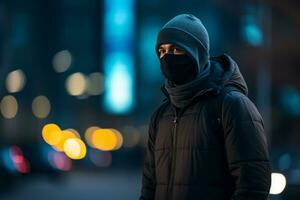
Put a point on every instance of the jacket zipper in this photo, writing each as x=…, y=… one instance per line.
x=173, y=157
x=173, y=150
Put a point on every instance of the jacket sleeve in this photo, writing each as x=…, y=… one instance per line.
x=148, y=176
x=246, y=148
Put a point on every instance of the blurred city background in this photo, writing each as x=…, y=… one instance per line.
x=79, y=80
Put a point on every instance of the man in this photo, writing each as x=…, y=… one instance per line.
x=207, y=140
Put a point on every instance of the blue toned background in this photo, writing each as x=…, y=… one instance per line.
x=90, y=68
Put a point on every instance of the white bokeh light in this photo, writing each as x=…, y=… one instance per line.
x=15, y=81
x=278, y=183
x=41, y=107
x=76, y=84
x=9, y=107
x=62, y=61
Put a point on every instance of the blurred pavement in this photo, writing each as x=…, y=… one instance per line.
x=108, y=185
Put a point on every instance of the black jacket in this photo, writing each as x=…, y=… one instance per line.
x=188, y=158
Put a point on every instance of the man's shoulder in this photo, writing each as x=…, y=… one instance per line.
x=238, y=104
x=226, y=97
x=235, y=97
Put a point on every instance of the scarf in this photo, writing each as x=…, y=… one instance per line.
x=181, y=95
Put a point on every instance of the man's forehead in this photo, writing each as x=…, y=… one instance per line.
x=168, y=45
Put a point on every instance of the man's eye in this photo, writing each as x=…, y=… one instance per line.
x=161, y=51
x=177, y=50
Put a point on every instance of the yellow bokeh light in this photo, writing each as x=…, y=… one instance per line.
x=74, y=131
x=119, y=139
x=51, y=133
x=89, y=133
x=65, y=135
x=75, y=148
x=107, y=139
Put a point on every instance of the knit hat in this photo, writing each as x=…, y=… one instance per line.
x=187, y=32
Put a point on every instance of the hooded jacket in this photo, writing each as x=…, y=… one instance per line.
x=188, y=158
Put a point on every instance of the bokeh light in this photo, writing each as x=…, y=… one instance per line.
x=88, y=135
x=20, y=162
x=51, y=133
x=119, y=83
x=64, y=136
x=278, y=183
x=107, y=139
x=41, y=107
x=76, y=84
x=59, y=161
x=62, y=61
x=15, y=81
x=131, y=136
x=9, y=107
x=119, y=138
x=95, y=84
x=74, y=131
x=251, y=30
x=14, y=160
x=75, y=148
x=284, y=162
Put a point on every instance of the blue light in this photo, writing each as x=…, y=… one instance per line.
x=284, y=162
x=251, y=32
x=294, y=176
x=118, y=83
x=290, y=100
x=118, y=56
x=119, y=23
x=7, y=161
x=151, y=71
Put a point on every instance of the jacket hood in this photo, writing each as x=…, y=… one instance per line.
x=224, y=72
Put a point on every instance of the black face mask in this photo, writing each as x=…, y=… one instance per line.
x=178, y=69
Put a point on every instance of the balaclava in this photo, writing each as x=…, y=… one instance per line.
x=187, y=32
